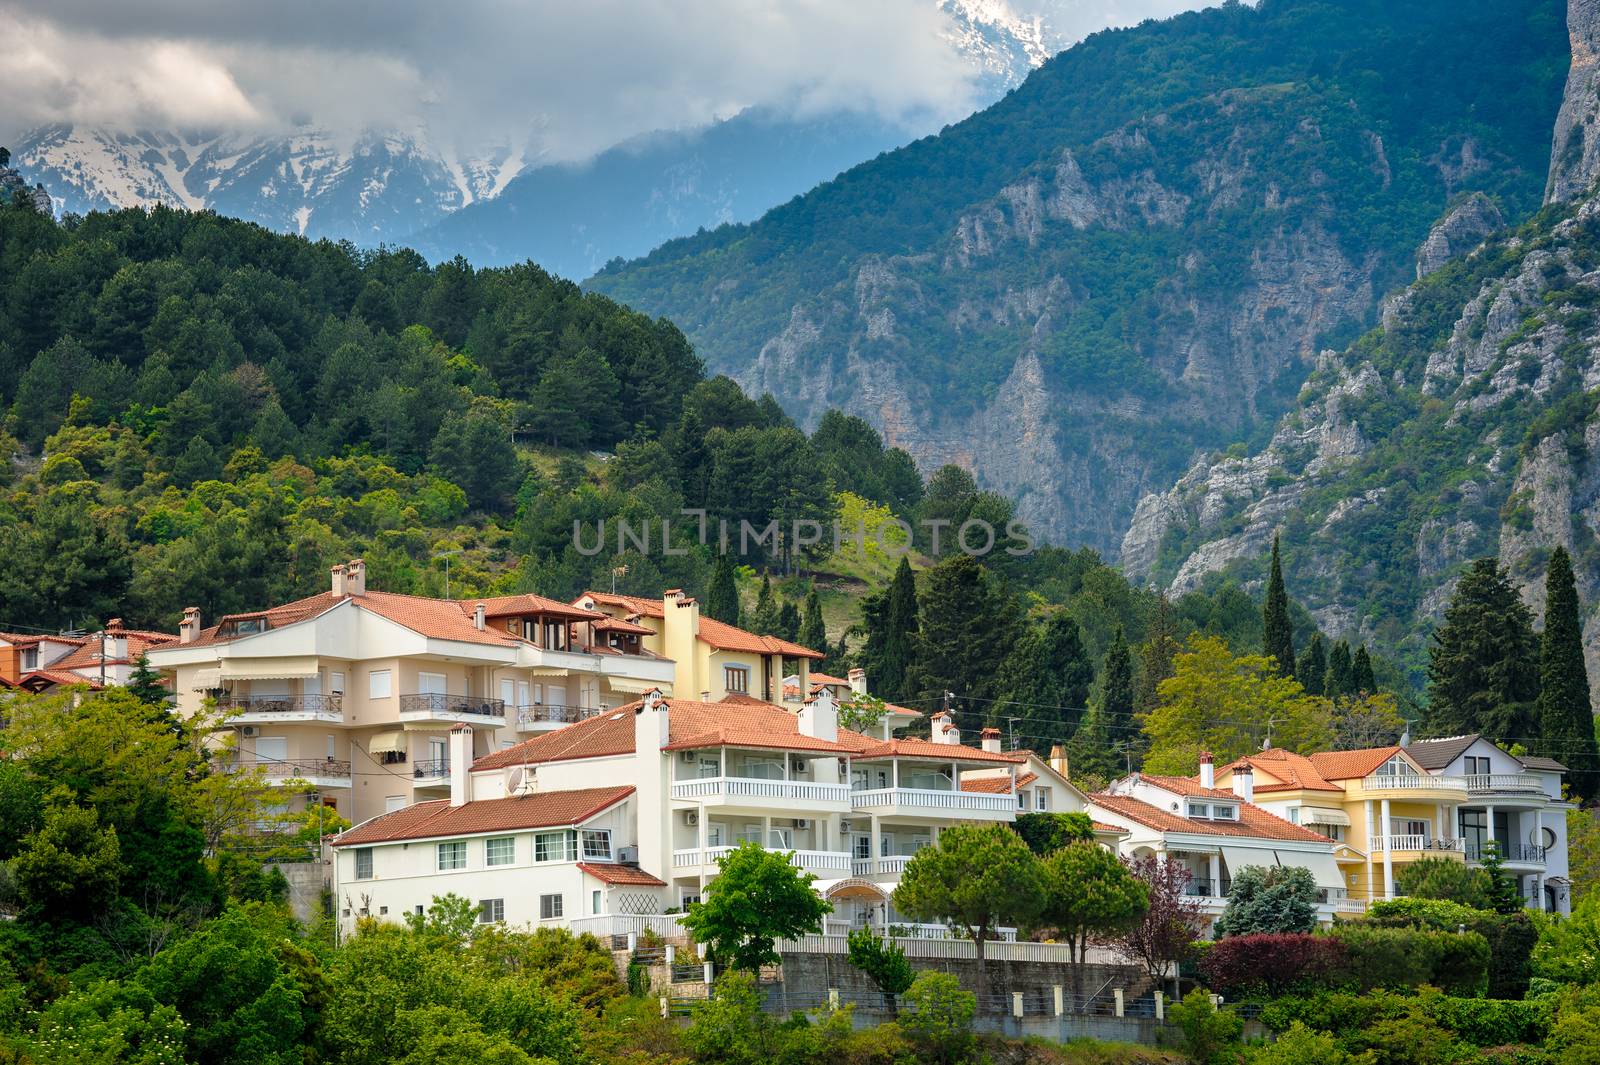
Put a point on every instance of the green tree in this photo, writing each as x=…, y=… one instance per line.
x=1110, y=727
x=757, y=898
x=1217, y=702
x=765, y=619
x=1565, y=715
x=891, y=622
x=1502, y=893
x=70, y=868
x=883, y=962
x=1341, y=675
x=1089, y=895
x=1441, y=878
x=1483, y=666
x=722, y=598
x=813, y=633
x=146, y=685
x=1361, y=677
x=1282, y=898
x=975, y=878
x=1277, y=630
x=475, y=452
x=105, y=1023
x=1210, y=1035
x=939, y=1018
x=964, y=616
x=1312, y=669
x=1045, y=681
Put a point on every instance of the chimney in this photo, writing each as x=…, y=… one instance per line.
x=189, y=628
x=819, y=716
x=858, y=680
x=1208, y=771
x=1244, y=782
x=990, y=738
x=1058, y=761
x=460, y=764
x=478, y=614
x=357, y=576
x=114, y=625
x=339, y=581
x=705, y=697
x=650, y=722
x=680, y=630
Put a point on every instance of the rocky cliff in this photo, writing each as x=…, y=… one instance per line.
x=1465, y=425
x=1135, y=255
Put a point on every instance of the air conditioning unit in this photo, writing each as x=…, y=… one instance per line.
x=691, y=818
x=688, y=757
x=248, y=730
x=798, y=764
x=801, y=822
x=628, y=855
x=844, y=826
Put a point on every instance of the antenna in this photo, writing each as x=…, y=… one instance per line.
x=1266, y=744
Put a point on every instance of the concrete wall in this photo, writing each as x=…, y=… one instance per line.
x=307, y=880
x=813, y=974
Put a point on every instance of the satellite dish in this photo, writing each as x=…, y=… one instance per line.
x=520, y=780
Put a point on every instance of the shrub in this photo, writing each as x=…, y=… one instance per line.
x=1280, y=899
x=1210, y=1035
x=938, y=1017
x=1399, y=958
x=1511, y=937
x=1271, y=965
x=1300, y=1045
x=1481, y=1022
x=1442, y=879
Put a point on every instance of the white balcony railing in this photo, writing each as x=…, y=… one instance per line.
x=889, y=865
x=1412, y=782
x=1485, y=783
x=810, y=861
x=1414, y=843
x=942, y=801
x=726, y=789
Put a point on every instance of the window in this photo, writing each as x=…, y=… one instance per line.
x=491, y=911
x=378, y=686
x=1042, y=795
x=1214, y=811
x=595, y=902
x=1333, y=832
x=1397, y=767
x=364, y=863
x=554, y=847
x=597, y=844
x=863, y=847
x=736, y=678
x=886, y=844
x=502, y=850
x=550, y=907
x=452, y=856
x=391, y=803
x=1477, y=765
x=30, y=658
x=1022, y=800
x=336, y=682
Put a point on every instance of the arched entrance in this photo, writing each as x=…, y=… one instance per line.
x=857, y=903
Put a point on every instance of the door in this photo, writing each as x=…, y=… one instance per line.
x=439, y=754
x=312, y=685
x=430, y=683
x=508, y=692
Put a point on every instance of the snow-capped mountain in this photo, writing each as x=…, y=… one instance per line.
x=398, y=185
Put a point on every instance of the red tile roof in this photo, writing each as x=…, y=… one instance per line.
x=1116, y=830
x=40, y=679
x=871, y=747
x=1348, y=765
x=528, y=603
x=1253, y=823
x=998, y=785
x=138, y=644
x=741, y=722
x=437, y=818
x=1286, y=771
x=440, y=619
x=718, y=634
x=631, y=875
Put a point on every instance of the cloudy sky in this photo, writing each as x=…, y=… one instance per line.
x=572, y=77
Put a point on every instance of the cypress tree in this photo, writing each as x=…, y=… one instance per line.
x=765, y=620
x=1312, y=669
x=1566, y=718
x=1277, y=631
x=1116, y=690
x=1155, y=658
x=964, y=618
x=890, y=619
x=1483, y=667
x=1361, y=678
x=1044, y=683
x=813, y=633
x=722, y=598
x=788, y=625
x=1341, y=679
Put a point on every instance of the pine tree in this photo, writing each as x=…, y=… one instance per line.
x=1116, y=690
x=1155, y=658
x=1277, y=631
x=1312, y=669
x=964, y=618
x=1044, y=683
x=1341, y=672
x=1361, y=678
x=813, y=633
x=765, y=619
x=145, y=684
x=1483, y=672
x=788, y=622
x=722, y=598
x=890, y=620
x=1566, y=718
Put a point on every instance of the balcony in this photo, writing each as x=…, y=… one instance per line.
x=320, y=772
x=1504, y=783
x=822, y=863
x=915, y=802
x=1204, y=888
x=542, y=717
x=1407, y=782
x=889, y=865
x=477, y=710
x=274, y=709
x=1414, y=843
x=1511, y=853
x=431, y=771
x=766, y=794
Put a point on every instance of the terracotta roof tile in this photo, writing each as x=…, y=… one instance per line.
x=718, y=634
x=528, y=603
x=1349, y=765
x=1253, y=823
x=621, y=874
x=997, y=785
x=425, y=820
x=138, y=644
x=1288, y=771
x=40, y=679
x=1101, y=826
x=871, y=747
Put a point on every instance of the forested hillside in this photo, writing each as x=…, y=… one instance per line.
x=1137, y=252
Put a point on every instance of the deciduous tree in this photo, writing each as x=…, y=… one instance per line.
x=757, y=898
x=1089, y=895
x=1172, y=923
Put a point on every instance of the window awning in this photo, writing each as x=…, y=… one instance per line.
x=633, y=687
x=207, y=679
x=1239, y=857
x=1324, y=870
x=387, y=743
x=296, y=667
x=547, y=671
x=1311, y=815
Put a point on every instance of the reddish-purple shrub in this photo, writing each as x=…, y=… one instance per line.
x=1267, y=966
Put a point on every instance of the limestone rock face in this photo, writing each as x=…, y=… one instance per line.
x=1575, y=151
x=1458, y=232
